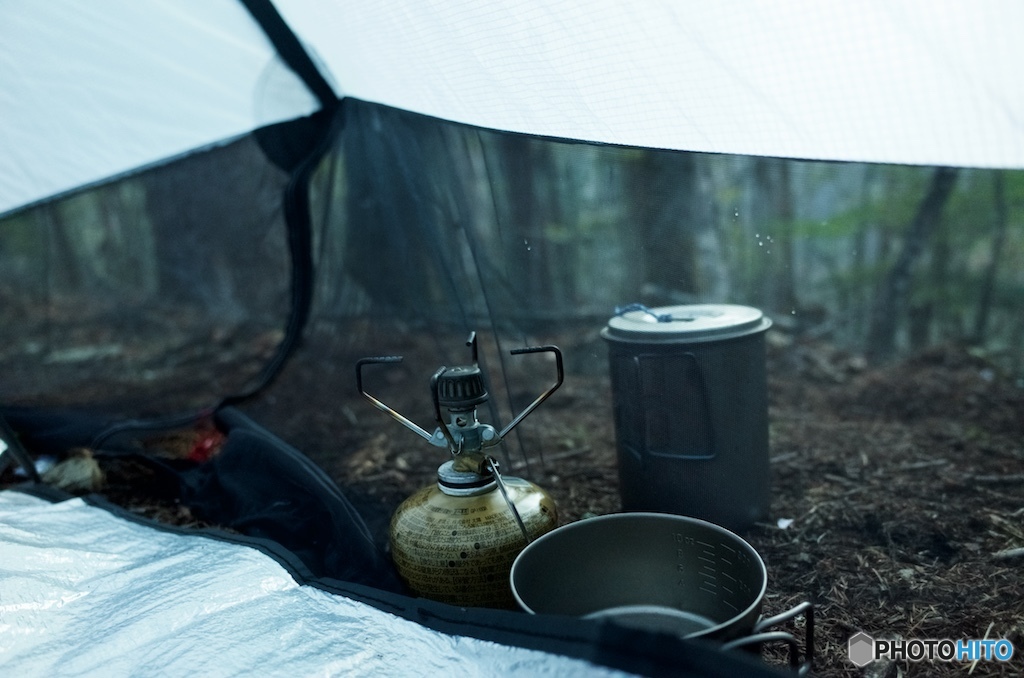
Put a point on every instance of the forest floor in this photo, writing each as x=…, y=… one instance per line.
x=897, y=492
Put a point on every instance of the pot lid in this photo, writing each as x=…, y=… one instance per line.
x=696, y=322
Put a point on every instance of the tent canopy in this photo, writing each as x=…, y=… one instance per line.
x=907, y=82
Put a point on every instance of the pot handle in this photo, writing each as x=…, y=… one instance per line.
x=801, y=665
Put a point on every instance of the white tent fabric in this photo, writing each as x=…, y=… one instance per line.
x=894, y=81
x=92, y=89
x=89, y=90
x=85, y=593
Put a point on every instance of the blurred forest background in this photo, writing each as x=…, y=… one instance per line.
x=879, y=260
x=429, y=221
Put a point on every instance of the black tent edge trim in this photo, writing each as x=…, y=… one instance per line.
x=575, y=141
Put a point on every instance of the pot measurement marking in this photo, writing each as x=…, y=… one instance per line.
x=724, y=572
x=709, y=571
x=732, y=582
x=681, y=566
x=730, y=551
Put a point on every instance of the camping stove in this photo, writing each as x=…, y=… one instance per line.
x=454, y=541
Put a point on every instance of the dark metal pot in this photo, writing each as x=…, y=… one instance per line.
x=690, y=399
x=653, y=571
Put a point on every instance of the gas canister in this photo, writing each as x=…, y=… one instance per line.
x=455, y=540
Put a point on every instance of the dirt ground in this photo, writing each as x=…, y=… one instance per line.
x=897, y=492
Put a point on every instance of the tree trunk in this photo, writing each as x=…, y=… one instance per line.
x=859, y=299
x=524, y=165
x=663, y=193
x=932, y=309
x=998, y=240
x=890, y=301
x=774, y=191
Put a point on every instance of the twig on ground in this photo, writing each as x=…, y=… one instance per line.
x=1007, y=554
x=1001, y=479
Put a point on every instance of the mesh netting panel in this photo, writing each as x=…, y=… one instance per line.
x=160, y=291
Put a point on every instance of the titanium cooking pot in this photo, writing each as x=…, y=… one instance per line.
x=654, y=571
x=690, y=406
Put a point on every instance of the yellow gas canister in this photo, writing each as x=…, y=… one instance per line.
x=454, y=541
x=457, y=545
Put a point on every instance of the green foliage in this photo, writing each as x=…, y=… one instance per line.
x=20, y=236
x=1014, y=183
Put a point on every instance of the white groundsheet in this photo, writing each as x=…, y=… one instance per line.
x=86, y=593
